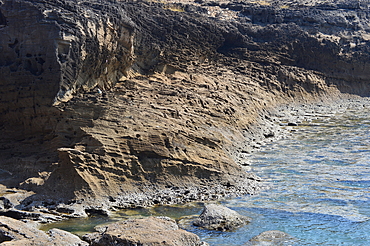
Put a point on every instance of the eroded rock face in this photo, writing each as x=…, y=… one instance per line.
x=52, y=49
x=110, y=103
x=49, y=51
x=147, y=232
x=220, y=218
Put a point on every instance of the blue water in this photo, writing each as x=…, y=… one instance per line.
x=318, y=187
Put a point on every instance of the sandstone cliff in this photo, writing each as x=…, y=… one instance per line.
x=113, y=103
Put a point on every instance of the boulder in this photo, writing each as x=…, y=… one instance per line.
x=272, y=238
x=61, y=237
x=12, y=229
x=17, y=233
x=146, y=231
x=218, y=217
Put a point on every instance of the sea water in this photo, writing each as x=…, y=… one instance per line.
x=318, y=188
x=319, y=184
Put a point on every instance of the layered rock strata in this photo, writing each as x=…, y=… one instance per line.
x=124, y=104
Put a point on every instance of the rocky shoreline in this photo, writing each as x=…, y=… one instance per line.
x=289, y=119
x=121, y=104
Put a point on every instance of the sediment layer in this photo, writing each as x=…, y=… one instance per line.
x=124, y=104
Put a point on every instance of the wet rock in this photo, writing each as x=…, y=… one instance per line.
x=147, y=232
x=272, y=238
x=217, y=217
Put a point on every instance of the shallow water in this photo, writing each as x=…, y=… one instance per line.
x=319, y=187
x=319, y=183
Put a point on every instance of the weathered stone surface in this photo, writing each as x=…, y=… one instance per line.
x=272, y=238
x=31, y=216
x=119, y=103
x=12, y=229
x=60, y=237
x=17, y=233
x=147, y=232
x=218, y=217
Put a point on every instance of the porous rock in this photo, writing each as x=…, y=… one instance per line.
x=221, y=218
x=146, y=231
x=136, y=103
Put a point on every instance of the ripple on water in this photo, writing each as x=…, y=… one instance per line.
x=319, y=182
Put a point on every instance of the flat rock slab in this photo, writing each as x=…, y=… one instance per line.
x=217, y=217
x=17, y=233
x=146, y=231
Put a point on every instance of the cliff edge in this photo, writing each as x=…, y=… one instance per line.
x=136, y=103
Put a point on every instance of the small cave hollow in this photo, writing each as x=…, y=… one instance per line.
x=2, y=20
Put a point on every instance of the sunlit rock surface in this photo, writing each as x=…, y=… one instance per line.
x=146, y=231
x=124, y=104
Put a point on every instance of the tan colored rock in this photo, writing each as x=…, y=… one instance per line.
x=17, y=233
x=12, y=229
x=146, y=231
x=123, y=104
x=60, y=237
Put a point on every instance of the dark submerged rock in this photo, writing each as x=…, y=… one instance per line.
x=270, y=238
